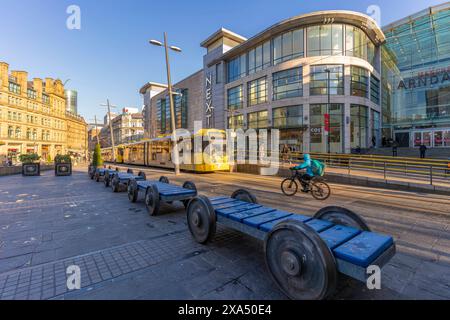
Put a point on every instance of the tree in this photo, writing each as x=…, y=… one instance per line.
x=97, y=160
x=49, y=159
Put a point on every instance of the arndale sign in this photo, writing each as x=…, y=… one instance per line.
x=426, y=79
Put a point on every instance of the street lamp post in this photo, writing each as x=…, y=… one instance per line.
x=176, y=156
x=110, y=129
x=327, y=115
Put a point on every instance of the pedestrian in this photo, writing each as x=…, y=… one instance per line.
x=285, y=153
x=395, y=149
x=423, y=151
x=374, y=142
x=384, y=141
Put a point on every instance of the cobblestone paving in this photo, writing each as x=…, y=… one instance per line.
x=49, y=223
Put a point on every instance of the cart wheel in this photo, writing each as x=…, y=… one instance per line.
x=191, y=186
x=343, y=217
x=115, y=184
x=106, y=180
x=132, y=191
x=164, y=180
x=142, y=174
x=201, y=219
x=244, y=195
x=130, y=171
x=300, y=262
x=152, y=200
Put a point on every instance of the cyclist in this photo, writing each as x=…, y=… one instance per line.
x=306, y=177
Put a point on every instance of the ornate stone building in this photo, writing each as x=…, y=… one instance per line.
x=33, y=118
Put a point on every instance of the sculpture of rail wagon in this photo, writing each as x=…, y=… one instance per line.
x=100, y=173
x=304, y=255
x=157, y=192
x=119, y=180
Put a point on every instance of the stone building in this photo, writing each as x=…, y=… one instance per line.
x=33, y=117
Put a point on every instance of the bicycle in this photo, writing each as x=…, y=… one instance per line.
x=318, y=188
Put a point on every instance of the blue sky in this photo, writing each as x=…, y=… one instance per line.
x=110, y=56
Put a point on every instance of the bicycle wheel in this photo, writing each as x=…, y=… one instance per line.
x=320, y=190
x=289, y=187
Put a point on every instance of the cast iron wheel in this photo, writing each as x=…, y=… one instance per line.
x=320, y=190
x=300, y=262
x=115, y=184
x=201, y=219
x=152, y=200
x=132, y=191
x=289, y=187
x=164, y=180
x=342, y=217
x=142, y=174
x=130, y=171
x=191, y=186
x=244, y=195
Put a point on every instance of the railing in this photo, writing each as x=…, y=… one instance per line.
x=429, y=170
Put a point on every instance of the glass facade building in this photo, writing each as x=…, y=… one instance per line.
x=418, y=75
x=283, y=77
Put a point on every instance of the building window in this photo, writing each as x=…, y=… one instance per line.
x=257, y=91
x=319, y=80
x=259, y=58
x=325, y=40
x=319, y=140
x=14, y=88
x=359, y=82
x=181, y=108
x=10, y=132
x=359, y=126
x=45, y=99
x=31, y=94
x=374, y=90
x=219, y=73
x=236, y=122
x=357, y=43
x=258, y=120
x=376, y=127
x=28, y=134
x=161, y=116
x=288, y=84
x=235, y=98
x=288, y=117
x=288, y=46
x=237, y=68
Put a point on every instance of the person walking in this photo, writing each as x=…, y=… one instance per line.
x=423, y=151
x=374, y=142
x=395, y=149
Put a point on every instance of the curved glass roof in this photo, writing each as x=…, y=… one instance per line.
x=421, y=39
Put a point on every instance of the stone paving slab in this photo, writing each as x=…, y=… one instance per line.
x=49, y=223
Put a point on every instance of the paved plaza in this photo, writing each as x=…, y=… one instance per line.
x=49, y=223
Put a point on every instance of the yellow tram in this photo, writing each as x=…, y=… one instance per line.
x=206, y=152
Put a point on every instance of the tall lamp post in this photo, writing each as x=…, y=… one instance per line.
x=110, y=128
x=327, y=114
x=176, y=156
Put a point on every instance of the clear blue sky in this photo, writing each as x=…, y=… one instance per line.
x=110, y=56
